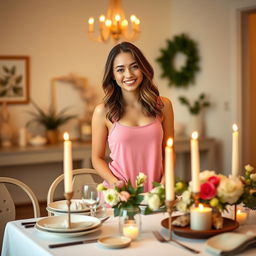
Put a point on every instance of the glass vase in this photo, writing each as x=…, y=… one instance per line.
x=130, y=222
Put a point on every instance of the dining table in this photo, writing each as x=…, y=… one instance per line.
x=21, y=241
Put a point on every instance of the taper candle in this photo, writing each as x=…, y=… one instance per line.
x=68, y=186
x=235, y=151
x=169, y=171
x=195, y=162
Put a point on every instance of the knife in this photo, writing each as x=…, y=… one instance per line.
x=73, y=243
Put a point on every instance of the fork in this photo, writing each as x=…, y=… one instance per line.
x=161, y=239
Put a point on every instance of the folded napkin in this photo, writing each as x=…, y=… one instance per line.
x=230, y=243
x=78, y=205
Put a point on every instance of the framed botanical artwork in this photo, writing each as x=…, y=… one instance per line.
x=14, y=79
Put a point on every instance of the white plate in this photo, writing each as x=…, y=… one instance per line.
x=115, y=242
x=59, y=223
x=59, y=213
x=61, y=206
x=69, y=234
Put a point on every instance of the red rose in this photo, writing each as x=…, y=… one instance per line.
x=215, y=180
x=207, y=190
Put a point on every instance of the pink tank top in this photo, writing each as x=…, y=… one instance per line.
x=137, y=149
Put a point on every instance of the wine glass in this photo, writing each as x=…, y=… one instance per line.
x=90, y=197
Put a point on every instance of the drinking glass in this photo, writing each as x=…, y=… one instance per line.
x=90, y=197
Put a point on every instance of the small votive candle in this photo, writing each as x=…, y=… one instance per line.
x=201, y=218
x=241, y=217
x=131, y=230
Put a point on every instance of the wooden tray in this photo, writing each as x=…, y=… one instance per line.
x=228, y=225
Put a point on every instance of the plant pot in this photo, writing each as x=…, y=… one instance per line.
x=52, y=136
x=196, y=123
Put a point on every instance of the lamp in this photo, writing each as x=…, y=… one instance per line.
x=115, y=25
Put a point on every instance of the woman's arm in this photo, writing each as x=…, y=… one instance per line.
x=99, y=140
x=168, y=126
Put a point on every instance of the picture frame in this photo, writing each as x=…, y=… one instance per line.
x=14, y=79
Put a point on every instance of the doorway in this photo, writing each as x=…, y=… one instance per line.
x=248, y=32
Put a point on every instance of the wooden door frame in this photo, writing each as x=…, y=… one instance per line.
x=245, y=87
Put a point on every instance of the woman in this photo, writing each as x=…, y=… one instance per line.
x=133, y=118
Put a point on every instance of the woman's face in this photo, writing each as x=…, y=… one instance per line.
x=127, y=72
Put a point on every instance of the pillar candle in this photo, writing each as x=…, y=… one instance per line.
x=22, y=137
x=131, y=231
x=68, y=186
x=201, y=218
x=241, y=217
x=169, y=171
x=91, y=24
x=195, y=162
x=235, y=151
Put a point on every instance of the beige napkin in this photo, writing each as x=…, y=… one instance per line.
x=230, y=243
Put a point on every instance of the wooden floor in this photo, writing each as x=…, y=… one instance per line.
x=25, y=211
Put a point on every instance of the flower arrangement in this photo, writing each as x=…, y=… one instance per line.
x=216, y=190
x=124, y=195
x=249, y=196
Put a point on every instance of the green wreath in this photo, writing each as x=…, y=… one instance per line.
x=181, y=43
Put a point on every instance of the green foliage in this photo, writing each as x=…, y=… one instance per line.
x=249, y=196
x=197, y=106
x=182, y=78
x=51, y=120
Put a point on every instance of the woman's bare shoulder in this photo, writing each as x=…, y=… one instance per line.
x=100, y=110
x=165, y=100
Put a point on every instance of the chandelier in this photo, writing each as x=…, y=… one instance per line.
x=115, y=25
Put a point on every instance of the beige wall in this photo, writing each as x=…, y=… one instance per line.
x=53, y=34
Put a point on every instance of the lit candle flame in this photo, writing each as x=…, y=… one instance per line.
x=102, y=18
x=194, y=135
x=117, y=17
x=201, y=207
x=133, y=18
x=235, y=128
x=66, y=136
x=91, y=20
x=170, y=142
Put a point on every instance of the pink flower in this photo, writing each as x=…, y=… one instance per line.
x=215, y=180
x=207, y=190
x=124, y=196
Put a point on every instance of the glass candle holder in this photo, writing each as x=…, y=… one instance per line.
x=130, y=222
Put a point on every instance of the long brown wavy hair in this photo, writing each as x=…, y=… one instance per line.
x=148, y=94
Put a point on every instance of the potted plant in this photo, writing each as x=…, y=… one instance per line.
x=195, y=109
x=51, y=120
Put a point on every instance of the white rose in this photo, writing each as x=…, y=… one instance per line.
x=111, y=196
x=230, y=189
x=154, y=202
x=157, y=190
x=182, y=206
x=186, y=197
x=205, y=175
x=253, y=176
x=140, y=179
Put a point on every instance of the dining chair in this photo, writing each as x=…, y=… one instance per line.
x=7, y=206
x=80, y=177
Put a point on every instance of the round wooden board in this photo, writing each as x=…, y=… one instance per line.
x=228, y=225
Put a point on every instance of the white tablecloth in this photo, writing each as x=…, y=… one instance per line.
x=19, y=241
